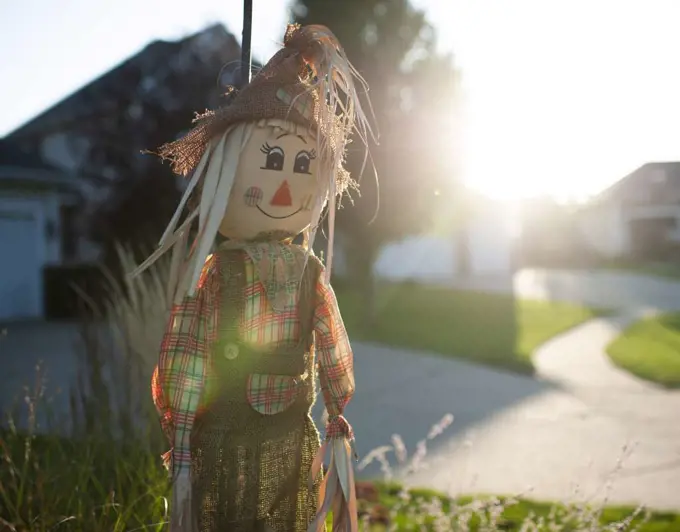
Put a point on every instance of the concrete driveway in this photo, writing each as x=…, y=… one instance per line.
x=559, y=436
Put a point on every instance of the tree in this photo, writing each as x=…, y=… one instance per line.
x=413, y=91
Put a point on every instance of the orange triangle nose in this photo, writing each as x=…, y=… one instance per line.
x=282, y=196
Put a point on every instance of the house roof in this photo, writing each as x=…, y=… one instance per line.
x=91, y=102
x=641, y=179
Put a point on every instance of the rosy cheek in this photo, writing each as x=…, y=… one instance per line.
x=253, y=196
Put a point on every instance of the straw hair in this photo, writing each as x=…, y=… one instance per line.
x=214, y=181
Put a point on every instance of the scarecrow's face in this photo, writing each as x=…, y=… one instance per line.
x=275, y=184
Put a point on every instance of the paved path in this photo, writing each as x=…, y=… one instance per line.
x=593, y=430
x=511, y=433
x=566, y=438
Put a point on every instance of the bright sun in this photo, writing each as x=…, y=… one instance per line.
x=566, y=107
x=511, y=155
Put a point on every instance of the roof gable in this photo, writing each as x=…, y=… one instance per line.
x=97, y=98
x=663, y=178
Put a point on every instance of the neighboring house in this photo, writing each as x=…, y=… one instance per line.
x=37, y=214
x=638, y=217
x=483, y=248
x=46, y=190
x=158, y=77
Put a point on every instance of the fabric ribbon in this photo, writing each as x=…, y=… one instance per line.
x=181, y=516
x=337, y=492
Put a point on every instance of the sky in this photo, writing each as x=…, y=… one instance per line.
x=562, y=97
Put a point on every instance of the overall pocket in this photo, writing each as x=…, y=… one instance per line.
x=273, y=394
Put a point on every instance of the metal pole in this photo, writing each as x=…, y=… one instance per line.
x=246, y=55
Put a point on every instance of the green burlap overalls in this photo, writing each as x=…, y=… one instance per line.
x=250, y=470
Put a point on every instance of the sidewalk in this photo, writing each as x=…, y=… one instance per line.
x=510, y=432
x=568, y=441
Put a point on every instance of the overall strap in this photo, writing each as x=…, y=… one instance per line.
x=231, y=269
x=233, y=281
x=307, y=302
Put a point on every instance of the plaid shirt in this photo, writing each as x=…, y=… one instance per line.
x=186, y=349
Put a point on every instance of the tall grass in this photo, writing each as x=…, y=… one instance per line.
x=105, y=473
x=121, y=340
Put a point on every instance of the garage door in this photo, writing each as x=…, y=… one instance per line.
x=20, y=271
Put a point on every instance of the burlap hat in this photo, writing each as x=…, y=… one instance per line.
x=284, y=89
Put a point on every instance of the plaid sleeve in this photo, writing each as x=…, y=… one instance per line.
x=334, y=358
x=180, y=375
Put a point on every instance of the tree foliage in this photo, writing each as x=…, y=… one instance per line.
x=413, y=92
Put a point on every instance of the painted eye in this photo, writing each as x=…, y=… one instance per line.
x=274, y=157
x=253, y=196
x=302, y=162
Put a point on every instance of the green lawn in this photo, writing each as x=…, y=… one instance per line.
x=650, y=349
x=468, y=513
x=486, y=328
x=667, y=271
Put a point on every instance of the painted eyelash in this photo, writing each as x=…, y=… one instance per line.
x=310, y=154
x=266, y=148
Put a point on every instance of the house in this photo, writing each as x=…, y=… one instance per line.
x=638, y=217
x=99, y=132
x=481, y=248
x=37, y=206
x=58, y=169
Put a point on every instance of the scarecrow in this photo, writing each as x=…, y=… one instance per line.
x=254, y=319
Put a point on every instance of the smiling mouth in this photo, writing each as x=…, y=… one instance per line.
x=278, y=217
